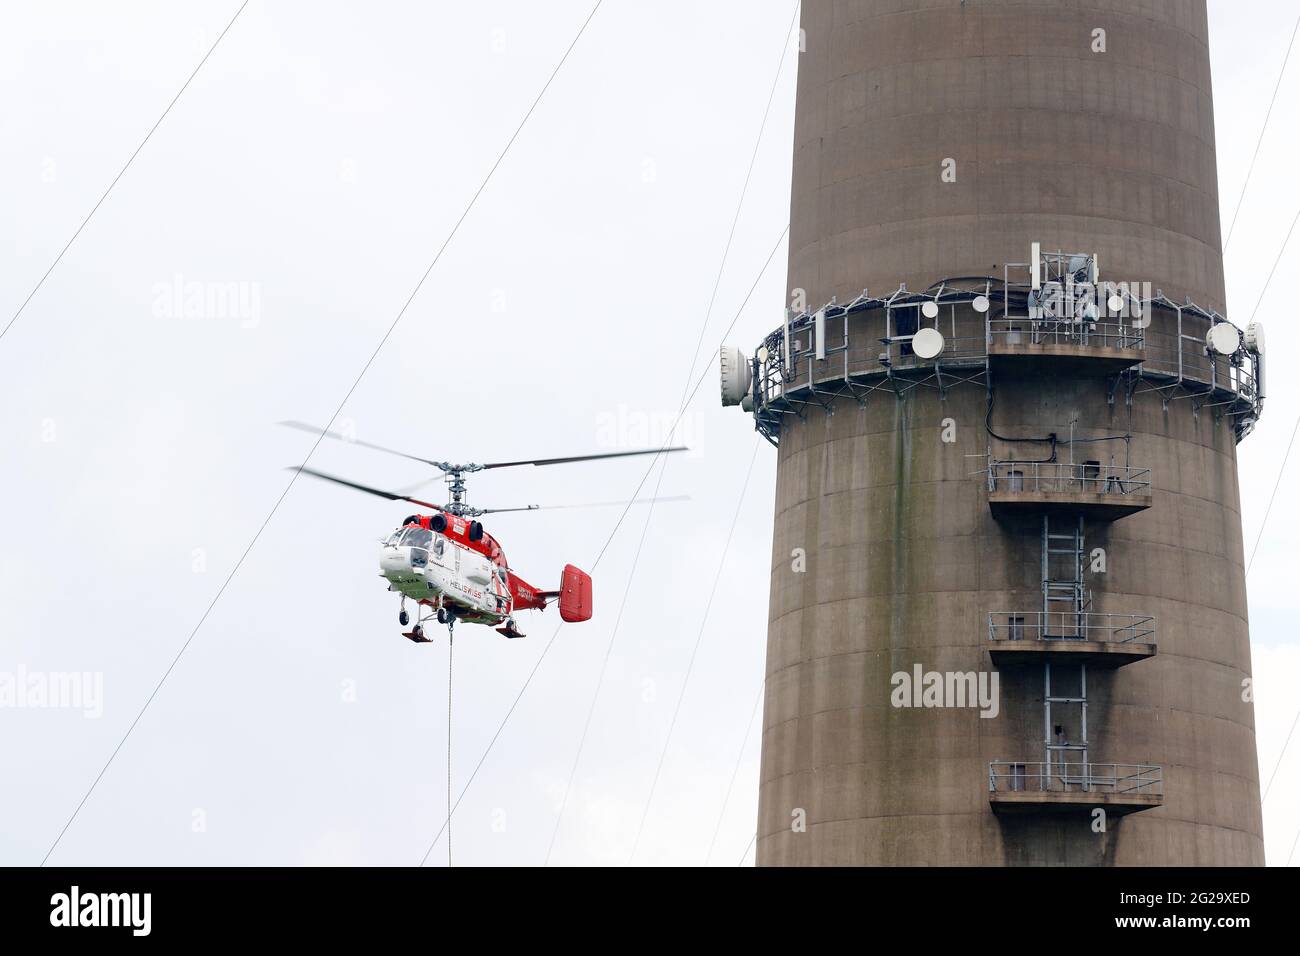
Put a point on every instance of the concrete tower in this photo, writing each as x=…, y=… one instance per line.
x=1008, y=605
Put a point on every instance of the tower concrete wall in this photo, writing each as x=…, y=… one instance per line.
x=1109, y=153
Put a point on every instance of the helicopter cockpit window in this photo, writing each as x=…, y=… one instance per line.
x=439, y=544
x=417, y=538
x=395, y=537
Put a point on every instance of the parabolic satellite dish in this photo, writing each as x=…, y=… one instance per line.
x=929, y=309
x=1223, y=339
x=736, y=375
x=927, y=343
x=1254, y=337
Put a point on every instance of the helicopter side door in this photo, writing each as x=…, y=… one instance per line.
x=442, y=562
x=501, y=589
x=463, y=574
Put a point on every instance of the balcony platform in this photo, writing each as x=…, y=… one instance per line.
x=1100, y=491
x=1081, y=637
x=1081, y=802
x=1107, y=654
x=1069, y=358
x=1027, y=787
x=1101, y=507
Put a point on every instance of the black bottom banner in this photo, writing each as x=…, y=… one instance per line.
x=1055, y=907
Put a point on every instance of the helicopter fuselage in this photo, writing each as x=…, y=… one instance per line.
x=450, y=562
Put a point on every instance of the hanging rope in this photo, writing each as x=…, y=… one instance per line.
x=451, y=647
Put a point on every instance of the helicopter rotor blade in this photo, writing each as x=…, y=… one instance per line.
x=314, y=430
x=573, y=458
x=408, y=489
x=391, y=496
x=587, y=504
x=444, y=466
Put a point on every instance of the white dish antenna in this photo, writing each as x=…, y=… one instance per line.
x=1115, y=303
x=927, y=343
x=930, y=309
x=1223, y=339
x=736, y=375
x=1254, y=337
x=980, y=303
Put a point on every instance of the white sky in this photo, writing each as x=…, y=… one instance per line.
x=316, y=163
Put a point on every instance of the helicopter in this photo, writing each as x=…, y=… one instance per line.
x=450, y=567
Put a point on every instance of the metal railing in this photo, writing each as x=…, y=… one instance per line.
x=1010, y=776
x=1165, y=341
x=1187, y=361
x=1071, y=626
x=956, y=350
x=1089, y=333
x=1068, y=478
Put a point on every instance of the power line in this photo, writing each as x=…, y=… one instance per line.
x=690, y=666
x=328, y=425
x=721, y=266
x=1286, y=743
x=122, y=171
x=604, y=548
x=1276, y=485
x=1268, y=510
x=491, y=743
x=1262, y=129
x=600, y=680
x=735, y=771
x=1285, y=242
x=744, y=189
x=451, y=649
x=747, y=846
x=698, y=382
x=1258, y=302
x=690, y=372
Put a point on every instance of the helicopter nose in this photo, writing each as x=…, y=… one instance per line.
x=395, y=562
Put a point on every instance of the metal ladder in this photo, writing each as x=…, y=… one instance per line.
x=1066, y=600
x=1065, y=596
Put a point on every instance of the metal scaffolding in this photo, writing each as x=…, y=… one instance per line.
x=863, y=348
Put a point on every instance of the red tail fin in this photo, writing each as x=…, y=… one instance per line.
x=575, y=595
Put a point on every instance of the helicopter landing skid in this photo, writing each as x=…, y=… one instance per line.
x=416, y=634
x=510, y=630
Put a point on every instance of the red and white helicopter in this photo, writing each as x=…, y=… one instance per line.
x=448, y=563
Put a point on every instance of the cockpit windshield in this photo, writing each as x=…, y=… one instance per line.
x=417, y=538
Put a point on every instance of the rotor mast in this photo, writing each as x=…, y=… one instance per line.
x=457, y=487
